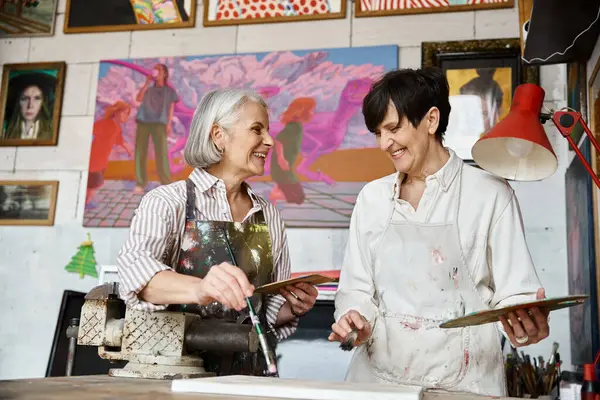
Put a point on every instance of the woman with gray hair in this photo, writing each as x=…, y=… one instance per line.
x=178, y=257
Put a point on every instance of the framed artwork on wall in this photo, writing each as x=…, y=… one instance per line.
x=577, y=95
x=231, y=12
x=30, y=103
x=378, y=8
x=28, y=202
x=482, y=75
x=25, y=18
x=314, y=99
x=128, y=15
x=582, y=248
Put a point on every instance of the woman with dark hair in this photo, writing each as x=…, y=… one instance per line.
x=436, y=240
x=28, y=107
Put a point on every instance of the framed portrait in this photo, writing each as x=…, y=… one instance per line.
x=482, y=75
x=378, y=8
x=28, y=202
x=25, y=18
x=30, y=103
x=228, y=12
x=128, y=15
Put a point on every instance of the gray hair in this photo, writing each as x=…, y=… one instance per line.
x=219, y=107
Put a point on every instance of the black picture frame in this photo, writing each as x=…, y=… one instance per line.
x=473, y=54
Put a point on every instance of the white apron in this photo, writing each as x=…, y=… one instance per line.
x=421, y=280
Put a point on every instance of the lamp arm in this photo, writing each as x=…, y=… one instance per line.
x=565, y=121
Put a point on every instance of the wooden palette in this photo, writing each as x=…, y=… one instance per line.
x=489, y=316
x=312, y=279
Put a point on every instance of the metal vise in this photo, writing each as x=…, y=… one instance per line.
x=157, y=345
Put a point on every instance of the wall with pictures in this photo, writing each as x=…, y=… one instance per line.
x=33, y=259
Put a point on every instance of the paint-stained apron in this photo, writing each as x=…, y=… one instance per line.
x=203, y=246
x=430, y=284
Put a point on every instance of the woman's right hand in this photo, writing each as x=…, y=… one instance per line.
x=226, y=284
x=350, y=321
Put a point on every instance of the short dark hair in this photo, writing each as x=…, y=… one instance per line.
x=413, y=92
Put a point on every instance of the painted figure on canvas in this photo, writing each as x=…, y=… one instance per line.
x=314, y=97
x=27, y=17
x=107, y=134
x=29, y=105
x=489, y=91
x=154, y=120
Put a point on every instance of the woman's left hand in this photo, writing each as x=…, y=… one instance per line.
x=524, y=329
x=301, y=297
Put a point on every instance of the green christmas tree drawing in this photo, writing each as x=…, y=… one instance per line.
x=84, y=261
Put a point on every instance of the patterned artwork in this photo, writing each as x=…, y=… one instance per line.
x=367, y=8
x=234, y=12
x=323, y=154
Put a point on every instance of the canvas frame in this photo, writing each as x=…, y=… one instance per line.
x=359, y=12
x=595, y=163
x=36, y=34
x=480, y=53
x=129, y=27
x=56, y=111
x=317, y=17
x=34, y=222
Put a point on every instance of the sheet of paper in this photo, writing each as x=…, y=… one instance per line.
x=295, y=389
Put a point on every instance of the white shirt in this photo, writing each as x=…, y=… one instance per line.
x=490, y=228
x=30, y=133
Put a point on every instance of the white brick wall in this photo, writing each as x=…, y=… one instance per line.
x=32, y=260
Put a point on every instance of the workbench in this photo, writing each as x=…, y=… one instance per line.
x=104, y=387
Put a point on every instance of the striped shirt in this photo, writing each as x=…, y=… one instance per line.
x=157, y=229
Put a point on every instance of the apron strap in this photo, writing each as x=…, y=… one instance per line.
x=190, y=203
x=459, y=177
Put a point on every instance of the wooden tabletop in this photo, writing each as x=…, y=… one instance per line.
x=104, y=387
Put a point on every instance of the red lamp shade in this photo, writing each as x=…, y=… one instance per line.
x=517, y=147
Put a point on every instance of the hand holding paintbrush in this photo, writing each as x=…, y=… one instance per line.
x=351, y=330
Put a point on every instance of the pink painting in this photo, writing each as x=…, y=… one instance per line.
x=314, y=99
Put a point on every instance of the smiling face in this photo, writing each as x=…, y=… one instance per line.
x=30, y=103
x=247, y=142
x=407, y=145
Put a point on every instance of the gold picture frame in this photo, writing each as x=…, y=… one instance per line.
x=23, y=203
x=210, y=12
x=31, y=88
x=361, y=8
x=128, y=20
x=38, y=20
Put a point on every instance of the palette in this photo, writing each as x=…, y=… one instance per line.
x=489, y=316
x=312, y=279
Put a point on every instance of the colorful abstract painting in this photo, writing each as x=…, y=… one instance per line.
x=372, y=8
x=236, y=12
x=337, y=155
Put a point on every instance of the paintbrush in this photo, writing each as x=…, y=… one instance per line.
x=348, y=343
x=267, y=353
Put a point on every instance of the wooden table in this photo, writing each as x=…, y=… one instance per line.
x=104, y=387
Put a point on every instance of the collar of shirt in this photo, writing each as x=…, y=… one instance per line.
x=445, y=176
x=204, y=181
x=30, y=133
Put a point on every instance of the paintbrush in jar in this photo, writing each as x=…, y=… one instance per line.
x=262, y=338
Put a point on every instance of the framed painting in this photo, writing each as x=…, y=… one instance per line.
x=314, y=99
x=482, y=75
x=379, y=8
x=128, y=15
x=30, y=103
x=581, y=258
x=28, y=202
x=25, y=18
x=593, y=89
x=577, y=95
x=231, y=12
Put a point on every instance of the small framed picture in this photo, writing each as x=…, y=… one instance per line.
x=482, y=76
x=28, y=202
x=27, y=18
x=30, y=103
